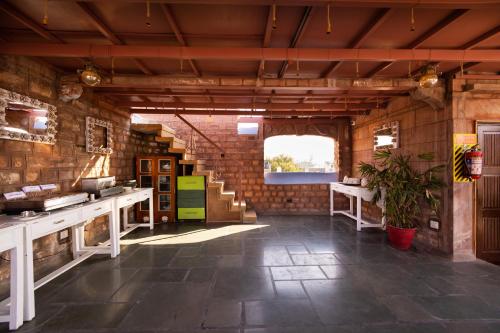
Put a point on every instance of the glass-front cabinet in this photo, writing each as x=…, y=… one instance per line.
x=158, y=172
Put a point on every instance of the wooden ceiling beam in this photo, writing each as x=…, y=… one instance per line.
x=299, y=33
x=268, y=106
x=245, y=53
x=431, y=32
x=379, y=18
x=235, y=84
x=329, y=114
x=112, y=92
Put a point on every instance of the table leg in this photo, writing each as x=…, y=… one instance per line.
x=29, y=281
x=125, y=217
x=358, y=213
x=114, y=233
x=331, y=202
x=75, y=239
x=151, y=213
x=16, y=284
x=351, y=204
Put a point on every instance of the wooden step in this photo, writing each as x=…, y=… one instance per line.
x=250, y=216
x=157, y=129
x=173, y=142
x=209, y=174
x=235, y=206
x=227, y=195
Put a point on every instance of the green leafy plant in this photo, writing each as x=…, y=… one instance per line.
x=405, y=187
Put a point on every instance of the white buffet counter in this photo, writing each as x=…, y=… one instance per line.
x=359, y=193
x=75, y=217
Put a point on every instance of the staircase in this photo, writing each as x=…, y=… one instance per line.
x=221, y=204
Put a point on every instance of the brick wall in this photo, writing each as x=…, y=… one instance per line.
x=23, y=163
x=422, y=129
x=246, y=154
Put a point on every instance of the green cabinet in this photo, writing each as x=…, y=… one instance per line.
x=191, y=198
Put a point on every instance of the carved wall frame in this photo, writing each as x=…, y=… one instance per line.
x=91, y=124
x=394, y=127
x=8, y=133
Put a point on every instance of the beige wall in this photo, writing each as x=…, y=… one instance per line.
x=422, y=129
x=469, y=107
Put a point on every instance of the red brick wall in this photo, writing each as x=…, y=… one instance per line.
x=246, y=153
x=422, y=129
x=64, y=163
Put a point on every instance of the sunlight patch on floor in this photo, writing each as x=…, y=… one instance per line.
x=196, y=236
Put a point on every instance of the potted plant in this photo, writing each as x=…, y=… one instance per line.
x=402, y=188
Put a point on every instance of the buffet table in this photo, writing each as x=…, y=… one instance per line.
x=359, y=192
x=11, y=239
x=74, y=217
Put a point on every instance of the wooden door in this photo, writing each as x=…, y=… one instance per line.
x=158, y=172
x=488, y=195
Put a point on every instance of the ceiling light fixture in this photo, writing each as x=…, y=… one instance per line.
x=45, y=19
x=328, y=20
x=90, y=76
x=148, y=14
x=429, y=77
x=274, y=17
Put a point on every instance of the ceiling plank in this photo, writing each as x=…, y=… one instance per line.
x=432, y=31
x=28, y=22
x=466, y=46
x=180, y=39
x=108, y=33
x=378, y=19
x=299, y=33
x=442, y=4
x=267, y=38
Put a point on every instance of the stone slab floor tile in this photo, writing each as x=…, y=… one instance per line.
x=290, y=312
x=297, y=273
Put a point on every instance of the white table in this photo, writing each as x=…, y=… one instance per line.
x=126, y=200
x=11, y=239
x=360, y=193
x=71, y=217
x=75, y=217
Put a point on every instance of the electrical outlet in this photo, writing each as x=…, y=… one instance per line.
x=63, y=236
x=434, y=224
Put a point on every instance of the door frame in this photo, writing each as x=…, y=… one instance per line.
x=475, y=189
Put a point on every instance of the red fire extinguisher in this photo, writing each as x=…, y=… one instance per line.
x=474, y=162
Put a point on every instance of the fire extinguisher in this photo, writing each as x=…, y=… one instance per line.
x=474, y=162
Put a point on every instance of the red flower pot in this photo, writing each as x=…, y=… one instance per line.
x=400, y=238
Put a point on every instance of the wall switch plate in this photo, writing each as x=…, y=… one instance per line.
x=435, y=224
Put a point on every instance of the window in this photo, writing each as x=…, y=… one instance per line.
x=306, y=159
x=248, y=128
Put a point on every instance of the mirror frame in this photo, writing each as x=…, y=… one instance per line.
x=7, y=96
x=394, y=127
x=91, y=124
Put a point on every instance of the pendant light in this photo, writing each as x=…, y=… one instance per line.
x=429, y=78
x=90, y=76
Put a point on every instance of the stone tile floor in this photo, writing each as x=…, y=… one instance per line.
x=291, y=274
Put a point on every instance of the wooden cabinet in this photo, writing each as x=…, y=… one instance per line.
x=158, y=172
